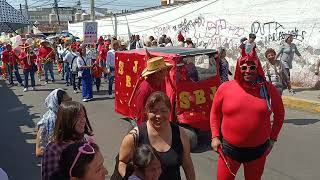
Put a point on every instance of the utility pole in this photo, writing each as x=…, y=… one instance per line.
x=27, y=13
x=115, y=25
x=57, y=13
x=93, y=15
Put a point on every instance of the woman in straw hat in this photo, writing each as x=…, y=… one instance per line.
x=154, y=75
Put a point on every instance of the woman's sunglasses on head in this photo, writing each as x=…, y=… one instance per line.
x=84, y=149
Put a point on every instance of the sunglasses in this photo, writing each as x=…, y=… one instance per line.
x=251, y=68
x=85, y=149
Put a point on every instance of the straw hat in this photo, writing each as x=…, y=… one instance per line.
x=154, y=65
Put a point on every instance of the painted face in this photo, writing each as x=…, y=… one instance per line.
x=153, y=171
x=271, y=57
x=249, y=71
x=159, y=115
x=80, y=122
x=96, y=170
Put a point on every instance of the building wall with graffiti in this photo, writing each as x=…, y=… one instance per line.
x=216, y=23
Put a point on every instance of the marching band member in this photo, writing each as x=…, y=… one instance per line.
x=11, y=59
x=28, y=61
x=47, y=56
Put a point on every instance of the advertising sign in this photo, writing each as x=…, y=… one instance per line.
x=90, y=32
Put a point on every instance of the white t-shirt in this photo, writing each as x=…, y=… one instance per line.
x=82, y=61
x=68, y=58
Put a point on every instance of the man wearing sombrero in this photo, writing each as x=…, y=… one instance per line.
x=47, y=55
x=11, y=59
x=154, y=80
x=28, y=61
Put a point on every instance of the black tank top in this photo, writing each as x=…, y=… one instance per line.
x=170, y=160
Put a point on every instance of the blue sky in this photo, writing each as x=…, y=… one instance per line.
x=111, y=4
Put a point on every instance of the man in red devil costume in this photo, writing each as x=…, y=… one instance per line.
x=240, y=120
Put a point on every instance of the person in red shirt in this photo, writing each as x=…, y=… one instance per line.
x=103, y=49
x=240, y=120
x=11, y=59
x=47, y=55
x=28, y=61
x=97, y=74
x=154, y=75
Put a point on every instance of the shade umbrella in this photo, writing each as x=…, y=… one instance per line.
x=10, y=18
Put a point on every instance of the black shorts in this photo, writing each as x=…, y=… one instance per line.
x=243, y=155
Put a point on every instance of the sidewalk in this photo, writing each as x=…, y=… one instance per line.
x=305, y=99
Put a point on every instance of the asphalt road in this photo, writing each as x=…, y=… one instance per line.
x=294, y=157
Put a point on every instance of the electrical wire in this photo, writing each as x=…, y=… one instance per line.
x=177, y=17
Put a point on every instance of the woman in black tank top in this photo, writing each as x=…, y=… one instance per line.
x=168, y=139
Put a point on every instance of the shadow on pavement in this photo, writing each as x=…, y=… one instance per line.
x=301, y=121
x=204, y=143
x=101, y=92
x=101, y=98
x=17, y=131
x=48, y=90
x=305, y=89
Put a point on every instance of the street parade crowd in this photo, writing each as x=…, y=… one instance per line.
x=156, y=148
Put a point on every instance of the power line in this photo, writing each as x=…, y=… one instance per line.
x=176, y=18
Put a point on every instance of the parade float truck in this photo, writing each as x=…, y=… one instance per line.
x=191, y=84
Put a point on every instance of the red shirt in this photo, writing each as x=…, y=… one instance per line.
x=243, y=116
x=102, y=53
x=144, y=91
x=97, y=71
x=9, y=57
x=44, y=51
x=23, y=58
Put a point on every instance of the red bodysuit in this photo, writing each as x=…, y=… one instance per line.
x=243, y=117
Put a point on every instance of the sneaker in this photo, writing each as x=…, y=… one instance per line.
x=53, y=80
x=85, y=100
x=45, y=83
x=39, y=79
x=25, y=89
x=75, y=91
x=33, y=88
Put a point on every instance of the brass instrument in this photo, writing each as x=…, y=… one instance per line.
x=47, y=59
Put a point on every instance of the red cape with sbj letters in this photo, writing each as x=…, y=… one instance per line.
x=192, y=100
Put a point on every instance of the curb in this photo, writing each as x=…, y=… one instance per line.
x=301, y=104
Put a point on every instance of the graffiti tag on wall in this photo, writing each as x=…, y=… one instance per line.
x=204, y=32
x=274, y=31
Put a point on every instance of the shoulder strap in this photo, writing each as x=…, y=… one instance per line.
x=135, y=135
x=83, y=61
x=73, y=59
